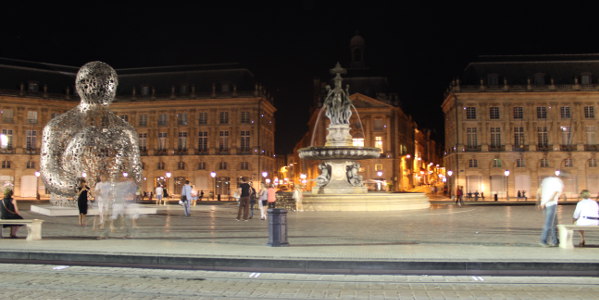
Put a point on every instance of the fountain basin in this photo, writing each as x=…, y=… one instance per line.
x=339, y=153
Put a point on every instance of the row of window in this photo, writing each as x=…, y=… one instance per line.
x=538, y=79
x=542, y=136
x=6, y=164
x=518, y=112
x=8, y=116
x=6, y=139
x=223, y=165
x=521, y=163
x=202, y=146
x=378, y=142
x=183, y=119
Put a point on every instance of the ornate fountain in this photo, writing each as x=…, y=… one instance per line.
x=340, y=187
x=339, y=169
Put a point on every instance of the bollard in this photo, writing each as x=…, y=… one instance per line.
x=277, y=227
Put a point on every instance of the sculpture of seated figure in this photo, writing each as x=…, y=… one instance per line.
x=352, y=174
x=325, y=175
x=89, y=139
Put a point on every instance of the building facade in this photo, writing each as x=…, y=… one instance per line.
x=510, y=121
x=206, y=124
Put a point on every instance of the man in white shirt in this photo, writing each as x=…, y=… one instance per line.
x=551, y=189
x=159, y=195
x=586, y=213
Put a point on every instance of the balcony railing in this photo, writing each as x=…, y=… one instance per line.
x=496, y=148
x=470, y=148
x=543, y=147
x=160, y=152
x=520, y=148
x=7, y=150
x=223, y=151
x=181, y=151
x=31, y=151
x=245, y=150
x=567, y=147
x=143, y=151
x=591, y=147
x=202, y=151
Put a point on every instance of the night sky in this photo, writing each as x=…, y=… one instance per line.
x=419, y=46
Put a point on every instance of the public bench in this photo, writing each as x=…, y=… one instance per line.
x=34, y=227
x=566, y=234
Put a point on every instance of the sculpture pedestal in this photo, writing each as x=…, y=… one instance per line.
x=338, y=136
x=339, y=183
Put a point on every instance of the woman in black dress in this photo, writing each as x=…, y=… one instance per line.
x=10, y=211
x=82, y=191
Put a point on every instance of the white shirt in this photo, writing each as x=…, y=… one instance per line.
x=586, y=208
x=159, y=191
x=551, y=188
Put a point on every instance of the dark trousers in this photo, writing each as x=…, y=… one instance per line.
x=244, y=207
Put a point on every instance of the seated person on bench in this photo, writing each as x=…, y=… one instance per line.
x=10, y=211
x=586, y=213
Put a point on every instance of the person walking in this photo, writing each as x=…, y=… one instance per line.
x=586, y=213
x=550, y=190
x=297, y=196
x=263, y=201
x=186, y=198
x=272, y=196
x=10, y=211
x=253, y=199
x=159, y=192
x=102, y=196
x=244, y=199
x=82, y=193
x=459, y=196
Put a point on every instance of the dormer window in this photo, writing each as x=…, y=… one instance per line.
x=492, y=79
x=539, y=79
x=586, y=79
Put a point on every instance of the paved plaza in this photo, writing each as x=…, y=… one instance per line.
x=445, y=239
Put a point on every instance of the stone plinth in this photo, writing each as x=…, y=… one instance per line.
x=365, y=202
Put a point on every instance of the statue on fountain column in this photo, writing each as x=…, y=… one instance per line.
x=88, y=139
x=337, y=103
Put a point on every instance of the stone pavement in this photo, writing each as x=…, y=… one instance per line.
x=445, y=239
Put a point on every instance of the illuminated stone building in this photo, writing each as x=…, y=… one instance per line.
x=380, y=122
x=192, y=120
x=510, y=121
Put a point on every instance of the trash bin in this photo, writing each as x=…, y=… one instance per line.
x=277, y=227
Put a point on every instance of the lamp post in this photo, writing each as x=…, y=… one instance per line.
x=37, y=192
x=213, y=175
x=506, y=173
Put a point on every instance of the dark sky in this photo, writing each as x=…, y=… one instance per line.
x=420, y=46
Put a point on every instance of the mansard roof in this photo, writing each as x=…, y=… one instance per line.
x=224, y=77
x=518, y=69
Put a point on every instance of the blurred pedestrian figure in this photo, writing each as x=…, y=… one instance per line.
x=263, y=201
x=186, y=198
x=253, y=199
x=459, y=196
x=272, y=196
x=159, y=194
x=550, y=190
x=102, y=196
x=298, y=197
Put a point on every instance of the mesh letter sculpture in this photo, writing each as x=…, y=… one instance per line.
x=88, y=139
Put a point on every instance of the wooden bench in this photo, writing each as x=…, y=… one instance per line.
x=34, y=227
x=566, y=234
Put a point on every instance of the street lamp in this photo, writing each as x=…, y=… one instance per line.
x=213, y=175
x=506, y=173
x=264, y=175
x=37, y=192
x=303, y=178
x=557, y=172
